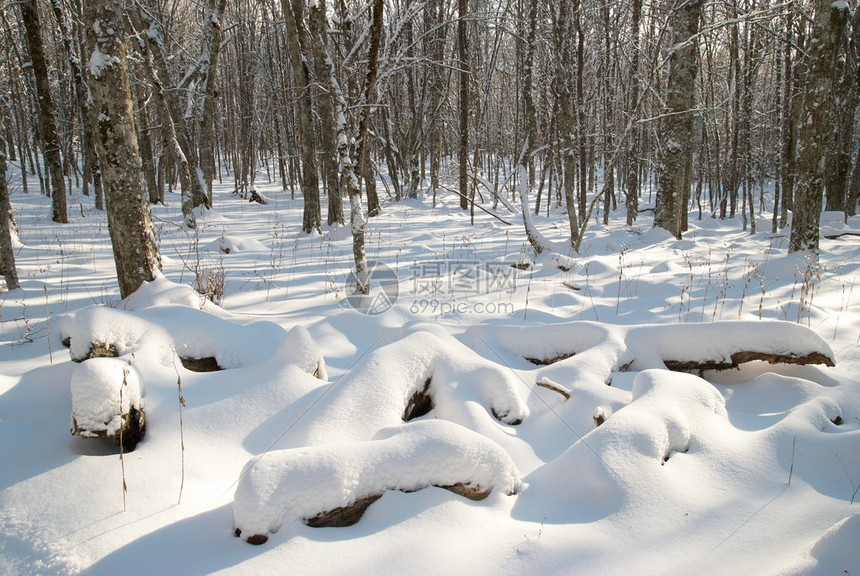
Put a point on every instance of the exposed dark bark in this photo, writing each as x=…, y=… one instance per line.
x=738, y=358
x=342, y=516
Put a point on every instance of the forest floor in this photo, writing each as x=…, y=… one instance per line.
x=753, y=469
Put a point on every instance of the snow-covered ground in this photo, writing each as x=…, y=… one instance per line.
x=493, y=420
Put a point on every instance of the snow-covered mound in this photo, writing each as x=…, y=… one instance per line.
x=303, y=483
x=229, y=244
x=459, y=385
x=189, y=332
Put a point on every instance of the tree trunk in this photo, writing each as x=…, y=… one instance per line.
x=673, y=177
x=816, y=127
x=312, y=215
x=632, y=176
x=792, y=103
x=564, y=94
x=846, y=98
x=145, y=145
x=49, y=135
x=73, y=43
x=7, y=254
x=535, y=238
x=351, y=180
x=463, y=91
x=328, y=134
x=193, y=190
x=580, y=111
x=134, y=246
x=209, y=74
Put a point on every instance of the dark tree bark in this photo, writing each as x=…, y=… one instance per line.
x=436, y=48
x=47, y=122
x=673, y=176
x=581, y=120
x=134, y=245
x=312, y=217
x=72, y=41
x=7, y=254
x=632, y=176
x=792, y=104
x=816, y=125
x=463, y=91
x=363, y=167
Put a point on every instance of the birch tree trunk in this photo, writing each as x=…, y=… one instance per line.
x=328, y=134
x=357, y=217
x=208, y=73
x=134, y=245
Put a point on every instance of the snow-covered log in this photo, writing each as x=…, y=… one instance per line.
x=340, y=480
x=680, y=347
x=724, y=345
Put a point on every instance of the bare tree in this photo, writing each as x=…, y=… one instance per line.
x=816, y=125
x=134, y=245
x=632, y=176
x=673, y=177
x=47, y=122
x=326, y=105
x=211, y=51
x=299, y=54
x=463, y=106
x=7, y=254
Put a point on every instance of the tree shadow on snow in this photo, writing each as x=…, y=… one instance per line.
x=35, y=421
x=201, y=544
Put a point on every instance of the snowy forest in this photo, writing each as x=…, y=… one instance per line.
x=430, y=286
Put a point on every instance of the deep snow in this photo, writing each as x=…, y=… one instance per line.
x=754, y=469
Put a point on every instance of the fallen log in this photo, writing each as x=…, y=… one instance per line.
x=738, y=358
